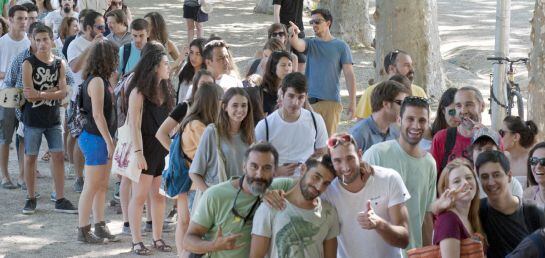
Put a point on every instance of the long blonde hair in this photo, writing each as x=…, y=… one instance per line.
x=443, y=184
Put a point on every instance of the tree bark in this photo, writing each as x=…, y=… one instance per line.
x=411, y=26
x=536, y=86
x=264, y=6
x=351, y=21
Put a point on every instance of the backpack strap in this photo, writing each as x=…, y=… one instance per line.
x=266, y=129
x=315, y=128
x=126, y=55
x=449, y=145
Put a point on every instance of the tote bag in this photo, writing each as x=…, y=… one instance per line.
x=469, y=248
x=124, y=161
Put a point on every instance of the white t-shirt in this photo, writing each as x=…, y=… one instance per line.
x=296, y=232
x=75, y=49
x=227, y=81
x=54, y=19
x=9, y=48
x=385, y=189
x=295, y=140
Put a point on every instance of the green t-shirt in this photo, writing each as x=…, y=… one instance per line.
x=2, y=3
x=214, y=209
x=419, y=176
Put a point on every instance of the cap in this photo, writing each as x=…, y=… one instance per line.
x=486, y=132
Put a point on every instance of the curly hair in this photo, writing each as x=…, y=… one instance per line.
x=145, y=79
x=103, y=60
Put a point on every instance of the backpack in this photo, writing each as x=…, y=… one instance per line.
x=176, y=175
x=449, y=145
x=313, y=121
x=78, y=117
x=126, y=55
x=120, y=94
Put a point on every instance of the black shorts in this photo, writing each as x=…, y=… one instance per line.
x=195, y=13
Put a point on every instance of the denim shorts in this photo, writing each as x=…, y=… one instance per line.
x=94, y=149
x=33, y=139
x=8, y=123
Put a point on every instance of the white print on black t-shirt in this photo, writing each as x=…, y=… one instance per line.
x=45, y=81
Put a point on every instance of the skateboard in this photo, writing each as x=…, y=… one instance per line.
x=11, y=98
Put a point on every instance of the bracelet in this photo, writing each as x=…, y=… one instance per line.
x=137, y=151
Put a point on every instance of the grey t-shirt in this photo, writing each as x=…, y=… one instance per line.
x=205, y=162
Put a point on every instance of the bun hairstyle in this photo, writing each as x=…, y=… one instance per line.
x=527, y=130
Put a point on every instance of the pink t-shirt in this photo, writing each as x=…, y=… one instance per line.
x=449, y=225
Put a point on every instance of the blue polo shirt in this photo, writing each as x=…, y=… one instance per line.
x=366, y=133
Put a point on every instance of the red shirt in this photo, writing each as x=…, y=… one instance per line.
x=438, y=148
x=449, y=225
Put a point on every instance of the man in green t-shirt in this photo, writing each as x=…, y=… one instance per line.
x=4, y=6
x=222, y=222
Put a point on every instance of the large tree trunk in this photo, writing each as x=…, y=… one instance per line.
x=411, y=26
x=264, y=6
x=536, y=86
x=351, y=21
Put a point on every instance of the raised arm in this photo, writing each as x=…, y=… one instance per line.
x=295, y=42
x=276, y=13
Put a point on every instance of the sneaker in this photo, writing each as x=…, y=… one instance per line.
x=65, y=206
x=8, y=185
x=53, y=197
x=116, y=190
x=70, y=171
x=126, y=230
x=30, y=206
x=22, y=186
x=78, y=185
x=102, y=231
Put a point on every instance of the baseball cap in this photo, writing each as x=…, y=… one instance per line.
x=486, y=132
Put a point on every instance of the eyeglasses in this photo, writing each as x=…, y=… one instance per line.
x=100, y=27
x=392, y=56
x=339, y=139
x=278, y=34
x=502, y=132
x=451, y=112
x=398, y=101
x=250, y=215
x=316, y=21
x=534, y=161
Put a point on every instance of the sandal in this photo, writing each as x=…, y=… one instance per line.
x=143, y=250
x=163, y=247
x=46, y=156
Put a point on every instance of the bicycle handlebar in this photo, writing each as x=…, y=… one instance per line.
x=515, y=60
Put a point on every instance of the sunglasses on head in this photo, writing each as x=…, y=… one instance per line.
x=278, y=34
x=534, y=161
x=316, y=21
x=337, y=140
x=392, y=56
x=502, y=132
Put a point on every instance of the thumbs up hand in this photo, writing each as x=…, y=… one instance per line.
x=369, y=219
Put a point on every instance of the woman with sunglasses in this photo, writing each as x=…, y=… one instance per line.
x=536, y=175
x=279, y=31
x=446, y=113
x=234, y=128
x=518, y=137
x=460, y=203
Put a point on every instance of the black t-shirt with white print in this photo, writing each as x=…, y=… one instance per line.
x=43, y=113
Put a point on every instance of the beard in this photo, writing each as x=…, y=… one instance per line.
x=258, y=186
x=66, y=9
x=307, y=194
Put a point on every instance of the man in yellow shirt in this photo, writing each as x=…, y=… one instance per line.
x=396, y=62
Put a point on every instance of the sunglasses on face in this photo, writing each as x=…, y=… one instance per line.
x=100, y=27
x=502, y=132
x=335, y=141
x=316, y=21
x=534, y=161
x=398, y=101
x=278, y=34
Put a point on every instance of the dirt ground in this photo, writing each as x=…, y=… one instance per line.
x=467, y=35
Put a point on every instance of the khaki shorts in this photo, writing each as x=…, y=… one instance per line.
x=331, y=112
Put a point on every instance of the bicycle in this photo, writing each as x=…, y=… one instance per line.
x=512, y=88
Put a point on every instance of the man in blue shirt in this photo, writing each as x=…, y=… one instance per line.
x=139, y=32
x=386, y=101
x=326, y=57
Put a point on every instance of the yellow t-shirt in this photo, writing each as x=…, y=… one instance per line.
x=363, y=110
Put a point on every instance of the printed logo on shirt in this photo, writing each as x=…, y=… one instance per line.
x=46, y=81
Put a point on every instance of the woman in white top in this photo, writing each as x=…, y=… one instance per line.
x=69, y=27
x=193, y=63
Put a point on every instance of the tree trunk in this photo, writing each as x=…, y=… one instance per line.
x=411, y=26
x=536, y=86
x=351, y=21
x=264, y=6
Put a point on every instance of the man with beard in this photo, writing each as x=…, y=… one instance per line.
x=453, y=142
x=295, y=132
x=415, y=165
x=307, y=225
x=54, y=18
x=222, y=222
x=370, y=201
x=397, y=62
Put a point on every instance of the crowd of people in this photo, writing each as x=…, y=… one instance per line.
x=261, y=169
